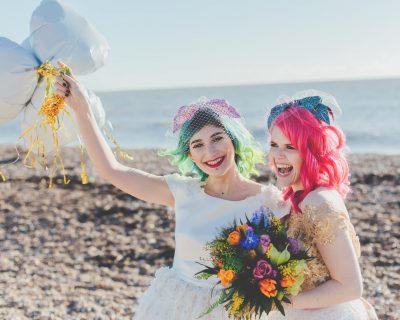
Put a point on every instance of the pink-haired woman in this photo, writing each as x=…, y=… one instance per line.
x=307, y=156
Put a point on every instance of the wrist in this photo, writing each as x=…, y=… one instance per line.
x=82, y=106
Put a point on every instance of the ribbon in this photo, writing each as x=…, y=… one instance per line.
x=312, y=104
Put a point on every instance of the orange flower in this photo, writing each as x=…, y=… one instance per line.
x=252, y=253
x=287, y=282
x=241, y=227
x=234, y=238
x=268, y=288
x=226, y=277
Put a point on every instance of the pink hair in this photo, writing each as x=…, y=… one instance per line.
x=321, y=147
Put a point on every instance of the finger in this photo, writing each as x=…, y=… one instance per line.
x=62, y=85
x=69, y=79
x=60, y=92
x=63, y=65
x=61, y=81
x=60, y=89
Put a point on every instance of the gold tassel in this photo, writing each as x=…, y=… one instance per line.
x=123, y=154
x=84, y=176
x=3, y=177
x=52, y=106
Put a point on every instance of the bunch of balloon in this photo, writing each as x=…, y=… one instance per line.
x=27, y=72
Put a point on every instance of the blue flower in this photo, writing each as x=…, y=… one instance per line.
x=261, y=216
x=251, y=240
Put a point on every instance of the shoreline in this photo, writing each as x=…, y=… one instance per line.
x=89, y=251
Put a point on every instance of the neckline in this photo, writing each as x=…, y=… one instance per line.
x=200, y=186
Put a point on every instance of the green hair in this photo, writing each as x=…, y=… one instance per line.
x=248, y=153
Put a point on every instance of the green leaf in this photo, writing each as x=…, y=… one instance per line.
x=277, y=258
x=223, y=297
x=279, y=306
x=286, y=299
x=268, y=306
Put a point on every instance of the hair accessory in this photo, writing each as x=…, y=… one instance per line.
x=219, y=106
x=313, y=104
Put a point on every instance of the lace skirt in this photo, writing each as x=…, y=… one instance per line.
x=171, y=298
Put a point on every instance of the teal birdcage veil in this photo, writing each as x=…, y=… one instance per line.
x=321, y=104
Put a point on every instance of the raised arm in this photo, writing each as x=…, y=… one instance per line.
x=140, y=184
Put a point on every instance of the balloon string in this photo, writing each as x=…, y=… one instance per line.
x=8, y=162
x=123, y=154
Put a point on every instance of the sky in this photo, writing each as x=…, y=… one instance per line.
x=187, y=43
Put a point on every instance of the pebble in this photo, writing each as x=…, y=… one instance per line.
x=90, y=251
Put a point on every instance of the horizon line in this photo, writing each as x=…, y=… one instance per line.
x=227, y=85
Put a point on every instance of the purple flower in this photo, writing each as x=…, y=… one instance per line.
x=251, y=240
x=264, y=242
x=262, y=270
x=294, y=245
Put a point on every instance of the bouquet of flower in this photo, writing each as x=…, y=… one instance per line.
x=258, y=265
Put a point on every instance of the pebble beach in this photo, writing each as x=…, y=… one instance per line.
x=90, y=251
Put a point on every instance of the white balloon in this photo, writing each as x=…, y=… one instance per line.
x=57, y=33
x=18, y=78
x=60, y=33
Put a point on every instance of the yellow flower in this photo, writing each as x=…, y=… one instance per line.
x=286, y=271
x=268, y=252
x=237, y=302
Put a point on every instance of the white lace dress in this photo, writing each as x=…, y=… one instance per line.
x=174, y=293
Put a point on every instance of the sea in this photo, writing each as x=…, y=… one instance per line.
x=143, y=118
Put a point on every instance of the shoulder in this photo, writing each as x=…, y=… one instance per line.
x=178, y=178
x=323, y=197
x=273, y=199
x=325, y=213
x=179, y=184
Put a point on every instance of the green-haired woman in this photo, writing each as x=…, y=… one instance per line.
x=214, y=146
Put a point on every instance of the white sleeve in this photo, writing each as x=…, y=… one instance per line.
x=179, y=185
x=274, y=201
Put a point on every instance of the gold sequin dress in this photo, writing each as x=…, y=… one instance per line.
x=320, y=224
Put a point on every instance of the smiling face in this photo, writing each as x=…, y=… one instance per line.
x=212, y=150
x=286, y=160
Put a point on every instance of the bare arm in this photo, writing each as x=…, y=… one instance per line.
x=346, y=282
x=140, y=184
x=332, y=234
